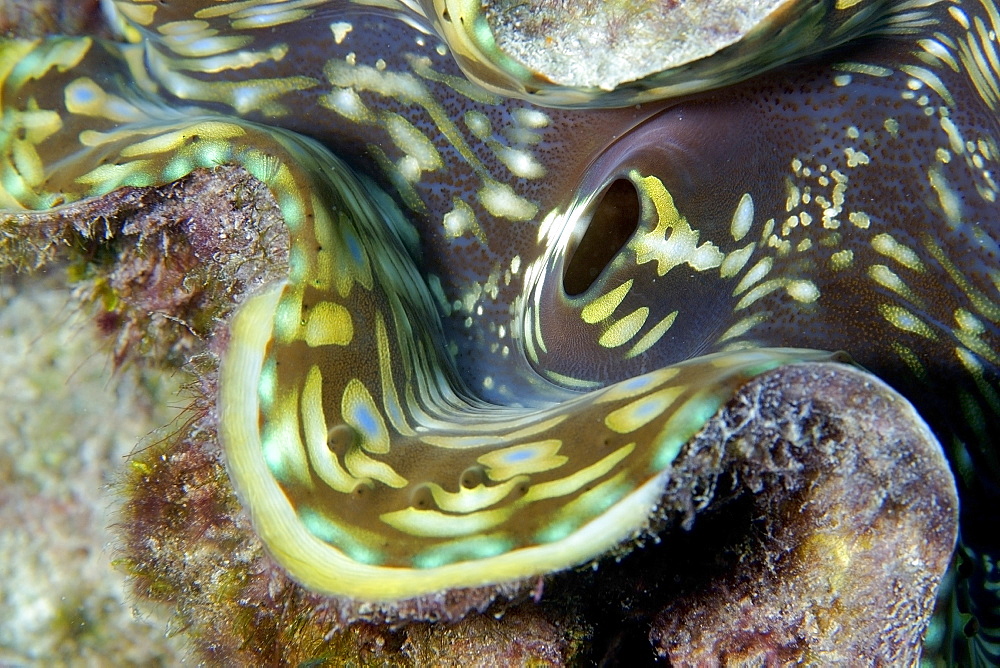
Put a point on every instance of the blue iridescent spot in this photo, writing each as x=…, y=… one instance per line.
x=354, y=248
x=518, y=456
x=364, y=420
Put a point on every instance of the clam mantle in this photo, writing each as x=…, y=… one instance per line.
x=502, y=321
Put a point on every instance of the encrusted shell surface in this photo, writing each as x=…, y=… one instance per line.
x=593, y=53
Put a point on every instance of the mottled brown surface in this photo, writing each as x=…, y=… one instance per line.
x=819, y=513
x=854, y=520
x=167, y=265
x=36, y=18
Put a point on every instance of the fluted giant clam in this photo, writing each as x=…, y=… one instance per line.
x=843, y=202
